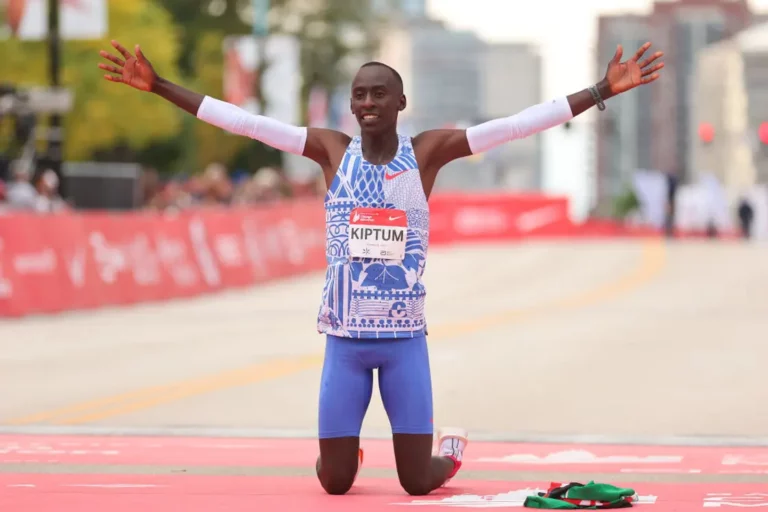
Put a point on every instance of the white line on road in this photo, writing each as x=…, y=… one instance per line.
x=499, y=437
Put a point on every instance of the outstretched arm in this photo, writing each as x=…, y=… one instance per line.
x=316, y=144
x=436, y=148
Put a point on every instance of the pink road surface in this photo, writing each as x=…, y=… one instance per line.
x=378, y=454
x=127, y=493
x=74, y=482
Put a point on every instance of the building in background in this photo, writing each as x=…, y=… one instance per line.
x=441, y=69
x=730, y=112
x=623, y=142
x=651, y=129
x=511, y=82
x=454, y=79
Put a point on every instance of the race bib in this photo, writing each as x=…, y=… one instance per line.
x=377, y=233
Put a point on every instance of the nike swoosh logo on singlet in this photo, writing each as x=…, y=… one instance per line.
x=393, y=176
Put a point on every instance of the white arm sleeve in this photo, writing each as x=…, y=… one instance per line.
x=532, y=120
x=234, y=119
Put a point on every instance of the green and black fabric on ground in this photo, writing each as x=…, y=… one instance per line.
x=580, y=496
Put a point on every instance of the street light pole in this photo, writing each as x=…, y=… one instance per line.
x=55, y=132
x=261, y=34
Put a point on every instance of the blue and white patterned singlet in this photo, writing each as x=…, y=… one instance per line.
x=369, y=297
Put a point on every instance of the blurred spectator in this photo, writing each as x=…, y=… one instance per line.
x=20, y=193
x=669, y=220
x=3, y=208
x=216, y=186
x=746, y=214
x=176, y=196
x=150, y=187
x=266, y=185
x=195, y=187
x=48, y=199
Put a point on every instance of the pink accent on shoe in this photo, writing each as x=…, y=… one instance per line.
x=456, y=466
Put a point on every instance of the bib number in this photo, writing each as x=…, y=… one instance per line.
x=377, y=233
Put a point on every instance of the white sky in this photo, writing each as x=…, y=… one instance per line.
x=565, y=31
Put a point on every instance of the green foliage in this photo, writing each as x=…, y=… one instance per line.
x=105, y=113
x=194, y=20
x=323, y=31
x=183, y=39
x=329, y=36
x=329, y=30
x=626, y=203
x=212, y=144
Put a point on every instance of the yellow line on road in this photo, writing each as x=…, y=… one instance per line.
x=156, y=395
x=651, y=263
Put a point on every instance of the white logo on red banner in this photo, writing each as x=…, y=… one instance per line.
x=252, y=246
x=229, y=250
x=292, y=241
x=205, y=258
x=535, y=219
x=144, y=261
x=137, y=256
x=110, y=260
x=475, y=221
x=35, y=263
x=173, y=254
x=6, y=288
x=75, y=265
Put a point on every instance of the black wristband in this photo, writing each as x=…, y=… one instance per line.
x=596, y=96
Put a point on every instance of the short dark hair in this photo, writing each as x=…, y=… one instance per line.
x=390, y=68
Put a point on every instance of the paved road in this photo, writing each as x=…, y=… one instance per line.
x=619, y=339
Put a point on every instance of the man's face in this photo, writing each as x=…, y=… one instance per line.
x=377, y=98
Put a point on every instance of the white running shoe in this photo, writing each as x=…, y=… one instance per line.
x=451, y=443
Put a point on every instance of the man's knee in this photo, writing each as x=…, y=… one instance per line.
x=337, y=484
x=416, y=487
x=338, y=463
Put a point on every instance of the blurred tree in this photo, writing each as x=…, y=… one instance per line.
x=195, y=19
x=331, y=33
x=333, y=39
x=106, y=114
x=212, y=144
x=626, y=203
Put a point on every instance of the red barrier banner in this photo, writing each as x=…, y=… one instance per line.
x=458, y=218
x=51, y=263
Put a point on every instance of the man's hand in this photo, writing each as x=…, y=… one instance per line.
x=623, y=76
x=135, y=71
